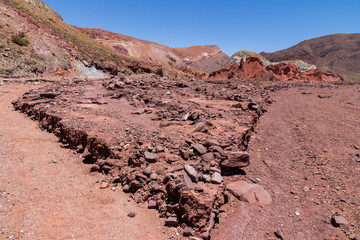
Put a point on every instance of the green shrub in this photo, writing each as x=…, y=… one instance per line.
x=20, y=39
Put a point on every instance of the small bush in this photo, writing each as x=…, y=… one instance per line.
x=20, y=39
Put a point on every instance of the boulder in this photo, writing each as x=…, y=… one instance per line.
x=236, y=160
x=190, y=170
x=251, y=193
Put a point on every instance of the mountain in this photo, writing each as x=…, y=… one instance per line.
x=206, y=58
x=36, y=42
x=338, y=53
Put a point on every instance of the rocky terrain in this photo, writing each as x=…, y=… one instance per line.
x=338, y=53
x=180, y=147
x=206, y=58
x=253, y=68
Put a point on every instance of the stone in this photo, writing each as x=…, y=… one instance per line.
x=188, y=231
x=306, y=189
x=188, y=182
x=171, y=221
x=48, y=95
x=126, y=188
x=206, y=178
x=212, y=142
x=236, y=160
x=152, y=204
x=208, y=157
x=151, y=157
x=154, y=176
x=190, y=170
x=339, y=221
x=147, y=171
x=185, y=154
x=131, y=214
x=218, y=149
x=251, y=193
x=200, y=149
x=138, y=111
x=279, y=234
x=200, y=127
x=216, y=178
x=104, y=185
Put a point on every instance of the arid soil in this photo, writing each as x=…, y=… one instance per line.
x=306, y=153
x=182, y=147
x=44, y=200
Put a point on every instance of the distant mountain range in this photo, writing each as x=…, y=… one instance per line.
x=338, y=53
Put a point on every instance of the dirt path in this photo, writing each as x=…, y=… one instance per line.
x=42, y=200
x=306, y=154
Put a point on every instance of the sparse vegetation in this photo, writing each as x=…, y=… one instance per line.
x=20, y=39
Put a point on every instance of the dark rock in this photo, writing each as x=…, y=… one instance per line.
x=236, y=160
x=339, y=221
x=126, y=188
x=154, y=176
x=171, y=221
x=188, y=182
x=185, y=154
x=151, y=157
x=147, y=171
x=152, y=204
x=188, y=231
x=134, y=185
x=216, y=178
x=206, y=178
x=279, y=234
x=208, y=157
x=131, y=214
x=49, y=95
x=212, y=142
x=218, y=149
x=190, y=170
x=200, y=149
x=200, y=127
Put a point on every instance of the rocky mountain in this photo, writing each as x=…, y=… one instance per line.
x=206, y=58
x=338, y=53
x=36, y=42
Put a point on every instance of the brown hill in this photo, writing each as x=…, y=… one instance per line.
x=338, y=53
x=205, y=58
x=36, y=42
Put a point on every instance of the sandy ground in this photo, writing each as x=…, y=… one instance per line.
x=42, y=200
x=305, y=151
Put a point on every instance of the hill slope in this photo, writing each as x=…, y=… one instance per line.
x=338, y=53
x=205, y=58
x=35, y=41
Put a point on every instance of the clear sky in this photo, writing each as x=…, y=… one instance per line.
x=260, y=25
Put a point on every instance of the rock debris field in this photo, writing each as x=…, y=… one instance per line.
x=226, y=159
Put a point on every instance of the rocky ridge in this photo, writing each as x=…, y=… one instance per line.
x=252, y=68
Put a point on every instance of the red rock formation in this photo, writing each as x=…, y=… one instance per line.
x=291, y=72
x=250, y=69
x=197, y=74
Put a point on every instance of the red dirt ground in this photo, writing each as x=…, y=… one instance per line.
x=42, y=200
x=304, y=152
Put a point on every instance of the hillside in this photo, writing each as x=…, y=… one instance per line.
x=36, y=42
x=205, y=58
x=338, y=53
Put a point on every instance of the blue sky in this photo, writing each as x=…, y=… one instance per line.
x=261, y=25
